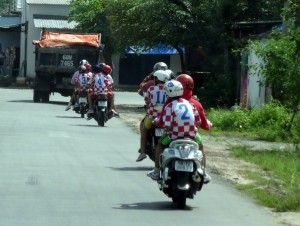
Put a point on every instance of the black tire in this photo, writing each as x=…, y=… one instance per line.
x=181, y=199
x=152, y=148
x=101, y=119
x=82, y=111
x=36, y=96
x=174, y=199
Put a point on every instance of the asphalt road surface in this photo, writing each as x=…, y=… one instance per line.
x=59, y=169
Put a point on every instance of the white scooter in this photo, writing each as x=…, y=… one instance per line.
x=181, y=174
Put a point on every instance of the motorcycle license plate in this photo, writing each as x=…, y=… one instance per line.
x=186, y=166
x=82, y=100
x=102, y=103
x=158, y=132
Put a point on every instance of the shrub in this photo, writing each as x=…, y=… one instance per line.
x=5, y=81
x=267, y=123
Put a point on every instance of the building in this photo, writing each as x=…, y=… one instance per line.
x=10, y=36
x=252, y=91
x=36, y=16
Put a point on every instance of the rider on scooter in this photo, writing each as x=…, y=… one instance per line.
x=149, y=80
x=100, y=84
x=188, y=86
x=179, y=118
x=107, y=70
x=74, y=77
x=81, y=82
x=155, y=98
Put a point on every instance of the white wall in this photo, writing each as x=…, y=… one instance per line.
x=34, y=33
x=175, y=64
x=256, y=94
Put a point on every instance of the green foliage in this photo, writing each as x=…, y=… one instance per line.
x=4, y=7
x=92, y=17
x=277, y=184
x=217, y=92
x=281, y=68
x=176, y=23
x=281, y=57
x=267, y=123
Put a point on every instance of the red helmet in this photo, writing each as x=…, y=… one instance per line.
x=186, y=81
x=107, y=69
x=87, y=66
x=82, y=69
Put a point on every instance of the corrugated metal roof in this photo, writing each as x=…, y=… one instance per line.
x=7, y=22
x=49, y=21
x=49, y=2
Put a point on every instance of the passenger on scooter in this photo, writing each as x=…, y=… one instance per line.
x=107, y=70
x=155, y=97
x=100, y=84
x=188, y=86
x=81, y=82
x=75, y=75
x=149, y=80
x=180, y=120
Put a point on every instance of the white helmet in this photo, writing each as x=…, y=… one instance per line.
x=171, y=74
x=162, y=75
x=160, y=66
x=83, y=62
x=173, y=88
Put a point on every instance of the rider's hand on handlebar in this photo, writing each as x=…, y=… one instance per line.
x=209, y=123
x=154, y=122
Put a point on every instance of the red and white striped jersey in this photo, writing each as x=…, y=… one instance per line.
x=182, y=118
x=155, y=98
x=82, y=82
x=101, y=83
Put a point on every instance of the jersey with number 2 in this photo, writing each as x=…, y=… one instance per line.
x=182, y=118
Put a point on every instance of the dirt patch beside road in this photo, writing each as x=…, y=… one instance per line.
x=219, y=160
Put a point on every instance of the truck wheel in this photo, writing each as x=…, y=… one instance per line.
x=45, y=97
x=36, y=96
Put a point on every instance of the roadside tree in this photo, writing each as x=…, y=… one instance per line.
x=281, y=56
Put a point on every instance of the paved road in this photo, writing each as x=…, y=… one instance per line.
x=59, y=169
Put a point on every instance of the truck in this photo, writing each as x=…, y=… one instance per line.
x=57, y=57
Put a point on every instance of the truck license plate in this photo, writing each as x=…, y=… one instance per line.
x=186, y=166
x=102, y=103
x=159, y=132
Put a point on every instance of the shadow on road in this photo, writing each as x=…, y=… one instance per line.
x=131, y=168
x=157, y=206
x=31, y=101
x=58, y=116
x=89, y=126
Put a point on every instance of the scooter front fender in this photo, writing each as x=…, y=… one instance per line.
x=182, y=180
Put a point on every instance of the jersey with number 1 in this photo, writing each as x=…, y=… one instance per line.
x=182, y=118
x=155, y=98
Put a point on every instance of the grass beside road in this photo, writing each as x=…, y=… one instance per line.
x=277, y=184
